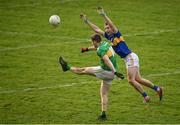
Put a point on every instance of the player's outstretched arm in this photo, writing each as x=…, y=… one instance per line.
x=91, y=25
x=85, y=49
x=107, y=19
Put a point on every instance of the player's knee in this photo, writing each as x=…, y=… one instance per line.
x=86, y=70
x=105, y=103
x=131, y=81
x=139, y=80
x=104, y=93
x=78, y=70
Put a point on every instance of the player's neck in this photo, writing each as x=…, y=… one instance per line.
x=99, y=44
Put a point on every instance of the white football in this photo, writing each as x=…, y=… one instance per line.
x=54, y=20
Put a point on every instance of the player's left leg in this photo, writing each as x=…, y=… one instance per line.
x=143, y=81
x=104, y=98
x=149, y=84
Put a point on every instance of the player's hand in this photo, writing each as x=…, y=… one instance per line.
x=101, y=11
x=84, y=50
x=83, y=16
x=119, y=75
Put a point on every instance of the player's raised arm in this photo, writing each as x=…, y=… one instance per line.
x=107, y=19
x=91, y=25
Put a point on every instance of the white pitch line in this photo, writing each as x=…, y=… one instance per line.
x=27, y=46
x=153, y=33
x=43, y=88
x=38, y=4
x=79, y=40
x=22, y=5
x=43, y=35
x=19, y=47
x=162, y=74
x=73, y=84
x=65, y=1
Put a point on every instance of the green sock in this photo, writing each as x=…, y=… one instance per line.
x=68, y=67
x=103, y=113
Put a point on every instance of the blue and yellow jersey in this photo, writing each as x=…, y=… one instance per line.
x=118, y=44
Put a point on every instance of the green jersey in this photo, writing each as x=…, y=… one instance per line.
x=106, y=49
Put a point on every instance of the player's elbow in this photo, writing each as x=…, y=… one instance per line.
x=131, y=81
x=96, y=31
x=105, y=59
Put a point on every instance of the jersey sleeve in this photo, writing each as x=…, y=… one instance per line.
x=118, y=34
x=106, y=35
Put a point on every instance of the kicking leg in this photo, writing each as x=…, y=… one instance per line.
x=84, y=70
x=65, y=67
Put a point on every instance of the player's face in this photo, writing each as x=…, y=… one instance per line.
x=95, y=44
x=108, y=30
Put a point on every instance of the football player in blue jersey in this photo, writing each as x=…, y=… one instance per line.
x=131, y=59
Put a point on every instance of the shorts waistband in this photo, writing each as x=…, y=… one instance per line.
x=128, y=55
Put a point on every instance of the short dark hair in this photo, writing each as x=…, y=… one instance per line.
x=96, y=37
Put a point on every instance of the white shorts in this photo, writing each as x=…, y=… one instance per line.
x=106, y=76
x=131, y=60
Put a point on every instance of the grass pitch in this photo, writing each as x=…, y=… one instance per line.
x=34, y=90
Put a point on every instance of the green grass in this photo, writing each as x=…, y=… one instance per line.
x=30, y=80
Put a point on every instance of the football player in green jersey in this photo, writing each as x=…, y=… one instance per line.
x=106, y=71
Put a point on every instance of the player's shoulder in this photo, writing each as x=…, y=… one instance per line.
x=118, y=33
x=104, y=46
